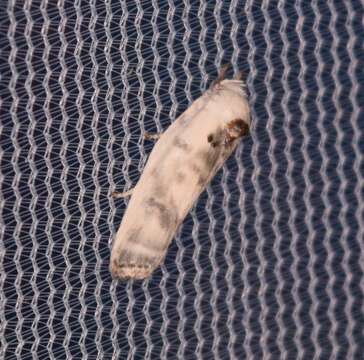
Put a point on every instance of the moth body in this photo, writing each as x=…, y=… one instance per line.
x=183, y=161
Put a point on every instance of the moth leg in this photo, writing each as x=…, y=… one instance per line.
x=150, y=136
x=120, y=195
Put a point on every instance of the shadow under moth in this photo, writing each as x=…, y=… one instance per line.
x=182, y=163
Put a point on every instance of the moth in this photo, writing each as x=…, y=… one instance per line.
x=182, y=163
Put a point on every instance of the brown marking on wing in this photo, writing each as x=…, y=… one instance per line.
x=130, y=265
x=138, y=237
x=217, y=138
x=180, y=176
x=159, y=188
x=200, y=172
x=202, y=179
x=134, y=235
x=205, y=163
x=196, y=169
x=167, y=216
x=213, y=140
x=181, y=144
x=208, y=158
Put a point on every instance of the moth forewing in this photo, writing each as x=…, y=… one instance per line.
x=183, y=161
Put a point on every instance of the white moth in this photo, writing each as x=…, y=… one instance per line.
x=183, y=161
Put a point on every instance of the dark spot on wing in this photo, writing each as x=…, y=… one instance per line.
x=205, y=164
x=233, y=130
x=208, y=158
x=214, y=141
x=181, y=144
x=159, y=189
x=140, y=237
x=201, y=172
x=202, y=179
x=167, y=216
x=195, y=168
x=180, y=176
x=134, y=235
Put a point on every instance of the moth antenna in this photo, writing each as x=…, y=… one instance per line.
x=240, y=75
x=222, y=72
x=220, y=76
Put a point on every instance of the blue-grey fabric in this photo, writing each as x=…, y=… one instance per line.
x=270, y=261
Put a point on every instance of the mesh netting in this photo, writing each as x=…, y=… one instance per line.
x=270, y=261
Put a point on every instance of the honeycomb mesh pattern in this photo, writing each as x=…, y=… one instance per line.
x=270, y=261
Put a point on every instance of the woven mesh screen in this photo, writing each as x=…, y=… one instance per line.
x=268, y=264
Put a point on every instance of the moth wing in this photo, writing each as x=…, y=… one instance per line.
x=133, y=264
x=140, y=246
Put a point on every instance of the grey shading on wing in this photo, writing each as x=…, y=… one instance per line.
x=181, y=164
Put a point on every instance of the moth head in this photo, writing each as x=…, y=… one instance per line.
x=236, y=104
